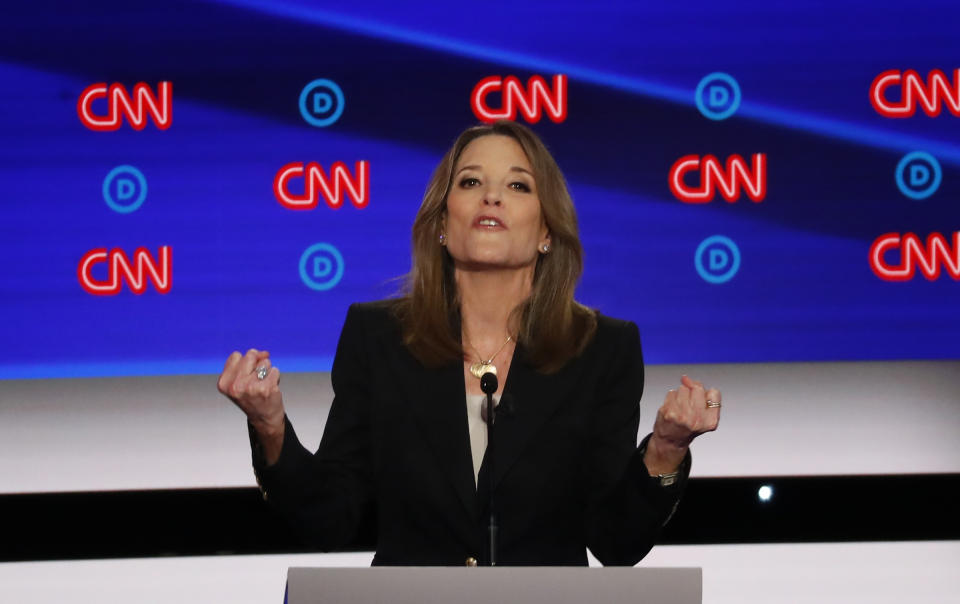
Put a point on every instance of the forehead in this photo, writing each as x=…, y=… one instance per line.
x=493, y=150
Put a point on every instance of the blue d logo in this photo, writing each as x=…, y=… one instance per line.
x=321, y=102
x=717, y=259
x=124, y=189
x=717, y=96
x=918, y=175
x=321, y=266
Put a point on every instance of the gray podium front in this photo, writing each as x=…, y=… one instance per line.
x=486, y=585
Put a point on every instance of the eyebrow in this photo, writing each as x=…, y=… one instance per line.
x=512, y=169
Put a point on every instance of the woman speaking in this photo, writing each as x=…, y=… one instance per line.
x=496, y=258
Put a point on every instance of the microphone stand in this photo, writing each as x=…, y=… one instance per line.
x=488, y=384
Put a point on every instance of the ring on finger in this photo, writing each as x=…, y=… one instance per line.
x=262, y=372
x=712, y=404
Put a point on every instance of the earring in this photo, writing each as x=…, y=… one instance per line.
x=546, y=248
x=443, y=239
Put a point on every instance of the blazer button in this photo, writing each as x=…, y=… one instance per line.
x=471, y=561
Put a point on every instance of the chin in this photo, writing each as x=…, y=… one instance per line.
x=487, y=254
x=497, y=261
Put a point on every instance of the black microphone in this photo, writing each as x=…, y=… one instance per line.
x=504, y=407
x=488, y=383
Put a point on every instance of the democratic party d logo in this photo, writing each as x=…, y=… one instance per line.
x=717, y=96
x=918, y=175
x=321, y=102
x=321, y=266
x=717, y=259
x=124, y=189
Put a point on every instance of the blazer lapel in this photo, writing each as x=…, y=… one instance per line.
x=535, y=397
x=439, y=406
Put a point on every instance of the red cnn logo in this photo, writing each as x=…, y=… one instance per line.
x=159, y=106
x=120, y=268
x=914, y=254
x=931, y=95
x=315, y=179
x=729, y=180
x=530, y=100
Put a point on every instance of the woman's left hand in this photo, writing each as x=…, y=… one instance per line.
x=687, y=412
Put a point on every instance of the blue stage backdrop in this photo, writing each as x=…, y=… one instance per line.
x=754, y=181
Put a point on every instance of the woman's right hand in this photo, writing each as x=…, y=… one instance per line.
x=260, y=399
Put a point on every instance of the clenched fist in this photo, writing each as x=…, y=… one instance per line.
x=259, y=398
x=686, y=413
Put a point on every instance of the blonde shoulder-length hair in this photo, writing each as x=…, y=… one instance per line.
x=553, y=327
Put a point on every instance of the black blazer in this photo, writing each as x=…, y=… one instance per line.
x=567, y=470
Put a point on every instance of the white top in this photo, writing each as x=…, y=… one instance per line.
x=478, y=430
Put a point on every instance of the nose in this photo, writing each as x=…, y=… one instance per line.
x=490, y=198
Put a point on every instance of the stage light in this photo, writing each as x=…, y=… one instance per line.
x=765, y=493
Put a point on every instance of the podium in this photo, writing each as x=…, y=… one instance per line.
x=486, y=585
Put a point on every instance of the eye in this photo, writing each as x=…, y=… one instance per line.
x=469, y=182
x=520, y=186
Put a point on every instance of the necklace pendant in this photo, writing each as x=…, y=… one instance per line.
x=478, y=369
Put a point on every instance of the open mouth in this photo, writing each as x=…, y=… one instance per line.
x=488, y=222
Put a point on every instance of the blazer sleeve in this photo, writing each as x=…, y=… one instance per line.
x=326, y=495
x=627, y=508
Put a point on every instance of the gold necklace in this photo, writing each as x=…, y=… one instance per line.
x=481, y=366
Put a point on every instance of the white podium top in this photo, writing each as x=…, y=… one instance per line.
x=485, y=585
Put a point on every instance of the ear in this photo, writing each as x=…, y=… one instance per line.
x=544, y=239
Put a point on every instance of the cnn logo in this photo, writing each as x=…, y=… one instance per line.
x=531, y=101
x=136, y=108
x=928, y=257
x=931, y=95
x=120, y=269
x=737, y=175
x=316, y=183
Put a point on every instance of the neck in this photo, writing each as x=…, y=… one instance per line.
x=486, y=300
